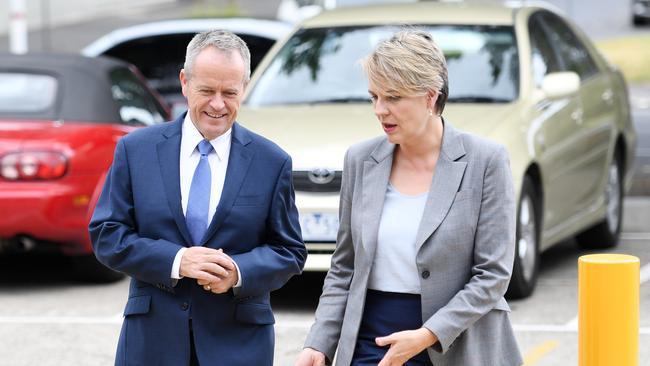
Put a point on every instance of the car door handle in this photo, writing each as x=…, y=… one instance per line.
x=607, y=96
x=576, y=116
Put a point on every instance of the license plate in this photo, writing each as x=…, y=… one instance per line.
x=319, y=226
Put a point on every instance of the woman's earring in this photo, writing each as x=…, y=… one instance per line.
x=430, y=112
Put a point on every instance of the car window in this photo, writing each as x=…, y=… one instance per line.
x=159, y=58
x=321, y=65
x=136, y=104
x=543, y=58
x=24, y=92
x=572, y=51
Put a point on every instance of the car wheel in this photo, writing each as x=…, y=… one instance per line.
x=605, y=234
x=524, y=271
x=88, y=269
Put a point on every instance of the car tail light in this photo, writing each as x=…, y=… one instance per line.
x=33, y=165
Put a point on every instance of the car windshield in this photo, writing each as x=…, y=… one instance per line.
x=321, y=65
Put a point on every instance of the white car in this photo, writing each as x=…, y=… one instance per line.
x=158, y=48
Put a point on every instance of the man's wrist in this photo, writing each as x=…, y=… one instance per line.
x=237, y=283
x=176, y=266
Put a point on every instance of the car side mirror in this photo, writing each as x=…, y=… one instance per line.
x=558, y=85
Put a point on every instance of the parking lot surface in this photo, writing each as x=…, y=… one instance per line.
x=48, y=318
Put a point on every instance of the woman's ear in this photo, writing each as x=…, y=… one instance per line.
x=432, y=98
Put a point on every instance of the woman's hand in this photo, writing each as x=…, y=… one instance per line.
x=404, y=345
x=310, y=357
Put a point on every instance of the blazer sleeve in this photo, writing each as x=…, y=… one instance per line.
x=493, y=256
x=326, y=330
x=113, y=230
x=270, y=265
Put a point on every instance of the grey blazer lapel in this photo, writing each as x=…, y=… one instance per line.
x=446, y=180
x=376, y=172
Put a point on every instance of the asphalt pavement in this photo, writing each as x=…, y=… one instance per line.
x=47, y=318
x=640, y=101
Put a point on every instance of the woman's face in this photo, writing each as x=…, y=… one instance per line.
x=403, y=118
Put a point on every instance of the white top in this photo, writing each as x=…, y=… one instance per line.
x=189, y=159
x=394, y=268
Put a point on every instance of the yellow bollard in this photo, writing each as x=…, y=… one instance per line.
x=608, y=317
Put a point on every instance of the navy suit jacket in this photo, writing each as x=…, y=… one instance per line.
x=138, y=227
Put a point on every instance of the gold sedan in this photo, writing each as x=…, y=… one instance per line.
x=523, y=76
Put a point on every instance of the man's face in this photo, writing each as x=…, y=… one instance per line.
x=214, y=90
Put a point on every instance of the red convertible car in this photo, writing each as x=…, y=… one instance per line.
x=60, y=118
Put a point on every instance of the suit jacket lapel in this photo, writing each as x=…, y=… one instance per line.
x=376, y=173
x=446, y=181
x=239, y=161
x=169, y=151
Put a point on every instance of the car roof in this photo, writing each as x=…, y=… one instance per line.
x=58, y=62
x=429, y=12
x=83, y=85
x=257, y=27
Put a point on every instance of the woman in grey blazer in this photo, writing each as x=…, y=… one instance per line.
x=427, y=226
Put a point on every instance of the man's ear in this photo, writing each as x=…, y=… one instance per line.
x=183, y=77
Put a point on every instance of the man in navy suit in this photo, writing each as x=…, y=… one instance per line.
x=200, y=213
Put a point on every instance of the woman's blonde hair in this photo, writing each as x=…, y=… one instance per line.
x=410, y=63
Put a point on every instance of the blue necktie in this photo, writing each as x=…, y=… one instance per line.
x=198, y=203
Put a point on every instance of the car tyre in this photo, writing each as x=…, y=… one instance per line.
x=606, y=233
x=526, y=263
x=89, y=269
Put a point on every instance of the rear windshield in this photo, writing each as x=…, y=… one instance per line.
x=24, y=93
x=322, y=65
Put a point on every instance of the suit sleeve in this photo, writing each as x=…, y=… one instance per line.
x=493, y=256
x=270, y=265
x=326, y=330
x=113, y=230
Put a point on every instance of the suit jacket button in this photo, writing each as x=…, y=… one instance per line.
x=425, y=274
x=185, y=306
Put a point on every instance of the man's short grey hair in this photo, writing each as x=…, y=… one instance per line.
x=222, y=40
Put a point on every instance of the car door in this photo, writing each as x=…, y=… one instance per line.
x=594, y=121
x=553, y=131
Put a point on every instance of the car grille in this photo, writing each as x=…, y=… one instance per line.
x=303, y=182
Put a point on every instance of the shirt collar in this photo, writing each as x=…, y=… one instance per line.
x=191, y=137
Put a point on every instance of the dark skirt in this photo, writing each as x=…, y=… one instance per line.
x=386, y=313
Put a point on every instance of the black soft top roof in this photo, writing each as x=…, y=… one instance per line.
x=84, y=87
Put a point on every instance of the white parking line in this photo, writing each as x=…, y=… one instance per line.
x=635, y=236
x=644, y=276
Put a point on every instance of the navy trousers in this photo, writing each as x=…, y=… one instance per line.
x=386, y=313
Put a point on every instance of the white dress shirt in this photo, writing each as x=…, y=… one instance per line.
x=188, y=161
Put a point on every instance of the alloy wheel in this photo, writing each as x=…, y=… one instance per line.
x=526, y=244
